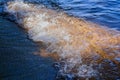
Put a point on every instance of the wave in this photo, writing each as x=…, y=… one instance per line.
x=78, y=46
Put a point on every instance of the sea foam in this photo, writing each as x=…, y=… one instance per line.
x=77, y=45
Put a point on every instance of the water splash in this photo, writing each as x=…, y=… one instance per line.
x=78, y=46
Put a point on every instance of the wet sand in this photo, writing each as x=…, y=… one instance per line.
x=17, y=61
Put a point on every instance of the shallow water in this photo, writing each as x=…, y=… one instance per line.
x=98, y=11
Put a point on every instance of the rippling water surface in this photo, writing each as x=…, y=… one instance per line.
x=105, y=12
x=16, y=59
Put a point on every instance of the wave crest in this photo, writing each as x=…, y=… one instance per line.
x=78, y=45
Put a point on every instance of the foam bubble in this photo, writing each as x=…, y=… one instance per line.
x=75, y=41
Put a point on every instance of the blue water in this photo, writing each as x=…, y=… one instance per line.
x=16, y=60
x=104, y=12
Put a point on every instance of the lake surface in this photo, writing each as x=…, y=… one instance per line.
x=17, y=61
x=104, y=12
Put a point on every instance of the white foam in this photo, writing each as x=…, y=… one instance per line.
x=86, y=71
x=72, y=39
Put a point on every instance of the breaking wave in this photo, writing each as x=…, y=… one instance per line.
x=79, y=47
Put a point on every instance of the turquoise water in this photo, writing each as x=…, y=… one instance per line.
x=16, y=59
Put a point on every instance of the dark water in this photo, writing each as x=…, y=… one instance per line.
x=16, y=59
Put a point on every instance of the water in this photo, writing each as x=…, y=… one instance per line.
x=98, y=11
x=17, y=61
x=104, y=12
